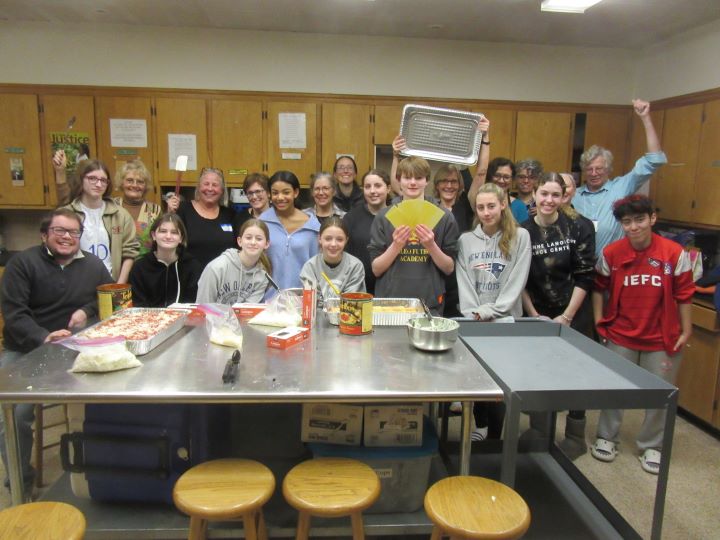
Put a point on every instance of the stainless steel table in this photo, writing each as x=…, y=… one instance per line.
x=549, y=367
x=382, y=367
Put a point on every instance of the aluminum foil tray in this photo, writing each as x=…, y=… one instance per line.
x=411, y=308
x=143, y=346
x=441, y=134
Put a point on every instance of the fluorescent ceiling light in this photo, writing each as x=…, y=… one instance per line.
x=567, y=6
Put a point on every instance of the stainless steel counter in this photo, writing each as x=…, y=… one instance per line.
x=381, y=367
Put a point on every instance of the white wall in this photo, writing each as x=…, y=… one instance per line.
x=118, y=55
x=684, y=64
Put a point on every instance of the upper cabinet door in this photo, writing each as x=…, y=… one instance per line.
x=181, y=130
x=546, y=136
x=292, y=139
x=346, y=130
x=387, y=123
x=67, y=120
x=236, y=138
x=675, y=183
x=707, y=183
x=21, y=177
x=610, y=130
x=124, y=132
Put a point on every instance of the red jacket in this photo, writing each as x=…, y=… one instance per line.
x=675, y=276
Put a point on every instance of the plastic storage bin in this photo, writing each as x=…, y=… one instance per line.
x=404, y=471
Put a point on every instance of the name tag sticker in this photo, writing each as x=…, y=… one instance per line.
x=595, y=224
x=227, y=227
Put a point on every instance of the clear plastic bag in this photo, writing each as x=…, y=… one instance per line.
x=100, y=355
x=285, y=309
x=222, y=325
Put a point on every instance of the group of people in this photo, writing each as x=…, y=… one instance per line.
x=543, y=251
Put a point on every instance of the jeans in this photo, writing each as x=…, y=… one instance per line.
x=24, y=418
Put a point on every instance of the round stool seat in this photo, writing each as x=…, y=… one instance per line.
x=42, y=521
x=223, y=488
x=331, y=487
x=478, y=508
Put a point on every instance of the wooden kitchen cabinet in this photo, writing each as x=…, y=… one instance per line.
x=346, y=130
x=387, y=123
x=21, y=171
x=301, y=161
x=674, y=189
x=236, y=138
x=609, y=129
x=546, y=136
x=70, y=117
x=707, y=180
x=698, y=375
x=137, y=109
x=180, y=116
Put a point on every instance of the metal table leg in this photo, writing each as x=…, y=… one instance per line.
x=510, y=445
x=465, y=441
x=12, y=447
x=662, y=481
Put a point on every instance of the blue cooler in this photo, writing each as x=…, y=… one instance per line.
x=404, y=471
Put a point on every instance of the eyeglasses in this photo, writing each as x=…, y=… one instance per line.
x=97, y=179
x=345, y=168
x=322, y=189
x=449, y=181
x=253, y=194
x=526, y=176
x=502, y=176
x=62, y=231
x=134, y=181
x=595, y=170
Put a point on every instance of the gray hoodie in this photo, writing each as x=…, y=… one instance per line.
x=488, y=283
x=226, y=281
x=348, y=276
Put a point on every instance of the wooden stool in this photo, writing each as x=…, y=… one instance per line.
x=331, y=487
x=42, y=521
x=225, y=489
x=477, y=508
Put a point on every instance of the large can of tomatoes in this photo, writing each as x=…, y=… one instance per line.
x=356, y=313
x=113, y=297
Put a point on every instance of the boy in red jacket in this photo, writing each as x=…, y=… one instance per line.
x=641, y=302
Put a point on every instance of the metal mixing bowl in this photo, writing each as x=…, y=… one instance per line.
x=437, y=335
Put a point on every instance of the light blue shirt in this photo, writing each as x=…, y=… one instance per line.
x=597, y=205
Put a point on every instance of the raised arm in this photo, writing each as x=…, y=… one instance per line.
x=483, y=160
x=59, y=161
x=642, y=109
x=398, y=145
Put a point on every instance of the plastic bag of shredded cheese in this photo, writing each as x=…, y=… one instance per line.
x=222, y=325
x=285, y=309
x=100, y=355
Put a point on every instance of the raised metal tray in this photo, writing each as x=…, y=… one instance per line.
x=441, y=134
x=143, y=346
x=385, y=318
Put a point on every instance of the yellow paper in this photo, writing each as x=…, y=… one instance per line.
x=420, y=211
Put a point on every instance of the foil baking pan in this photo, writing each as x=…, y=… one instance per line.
x=441, y=134
x=143, y=346
x=411, y=308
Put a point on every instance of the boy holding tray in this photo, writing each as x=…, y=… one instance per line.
x=413, y=242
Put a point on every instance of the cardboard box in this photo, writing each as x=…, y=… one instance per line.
x=393, y=425
x=247, y=310
x=287, y=337
x=332, y=423
x=308, y=307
